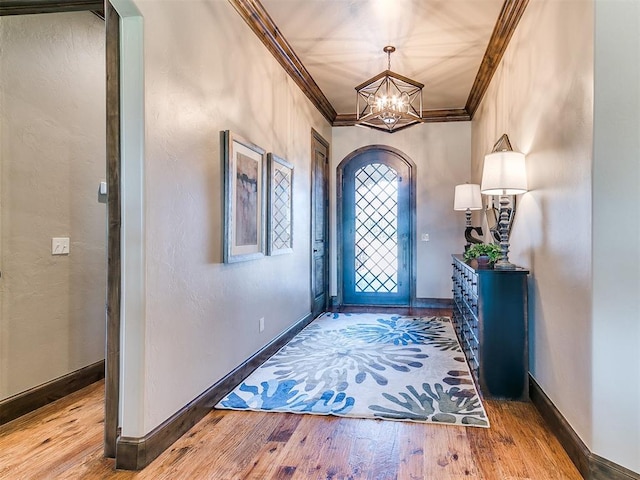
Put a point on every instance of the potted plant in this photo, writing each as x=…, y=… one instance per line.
x=485, y=254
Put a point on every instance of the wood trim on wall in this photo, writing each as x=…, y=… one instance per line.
x=570, y=441
x=445, y=115
x=254, y=13
x=36, y=397
x=510, y=15
x=435, y=303
x=137, y=453
x=112, y=381
x=112, y=53
x=27, y=7
x=603, y=469
x=393, y=310
x=428, y=116
x=590, y=465
x=267, y=31
x=264, y=27
x=318, y=141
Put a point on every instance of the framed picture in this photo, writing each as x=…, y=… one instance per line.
x=244, y=199
x=280, y=201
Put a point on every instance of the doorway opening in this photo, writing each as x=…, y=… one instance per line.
x=376, y=222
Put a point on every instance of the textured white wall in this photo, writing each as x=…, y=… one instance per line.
x=205, y=71
x=616, y=234
x=441, y=152
x=542, y=97
x=52, y=158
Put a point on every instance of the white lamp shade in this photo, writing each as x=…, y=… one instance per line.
x=504, y=173
x=468, y=196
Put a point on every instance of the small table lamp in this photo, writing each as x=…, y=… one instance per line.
x=504, y=173
x=467, y=197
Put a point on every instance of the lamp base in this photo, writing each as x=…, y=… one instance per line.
x=503, y=265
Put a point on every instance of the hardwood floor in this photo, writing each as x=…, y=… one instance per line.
x=64, y=440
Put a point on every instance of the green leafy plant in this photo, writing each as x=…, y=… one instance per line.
x=492, y=250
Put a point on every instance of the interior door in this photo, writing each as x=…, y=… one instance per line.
x=319, y=224
x=376, y=229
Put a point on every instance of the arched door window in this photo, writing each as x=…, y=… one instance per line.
x=376, y=260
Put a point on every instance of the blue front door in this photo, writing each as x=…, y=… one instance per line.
x=376, y=211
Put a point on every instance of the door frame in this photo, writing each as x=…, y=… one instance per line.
x=106, y=11
x=114, y=218
x=412, y=219
x=316, y=136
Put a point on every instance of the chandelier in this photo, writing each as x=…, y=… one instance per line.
x=388, y=101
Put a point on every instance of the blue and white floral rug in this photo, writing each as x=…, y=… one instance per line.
x=368, y=366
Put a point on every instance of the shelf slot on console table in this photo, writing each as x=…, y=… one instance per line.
x=490, y=320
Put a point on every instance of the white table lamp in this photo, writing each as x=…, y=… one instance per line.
x=504, y=173
x=467, y=197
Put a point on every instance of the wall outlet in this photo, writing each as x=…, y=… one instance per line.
x=60, y=246
x=261, y=324
x=425, y=237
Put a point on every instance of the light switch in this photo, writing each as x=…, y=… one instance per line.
x=103, y=188
x=60, y=246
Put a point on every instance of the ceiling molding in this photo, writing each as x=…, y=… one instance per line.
x=428, y=116
x=510, y=15
x=445, y=115
x=345, y=120
x=28, y=7
x=263, y=26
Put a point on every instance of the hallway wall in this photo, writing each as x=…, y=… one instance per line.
x=616, y=233
x=52, y=158
x=205, y=71
x=572, y=228
x=542, y=97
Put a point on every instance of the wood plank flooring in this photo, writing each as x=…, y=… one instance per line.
x=64, y=441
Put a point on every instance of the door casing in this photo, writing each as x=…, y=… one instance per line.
x=319, y=249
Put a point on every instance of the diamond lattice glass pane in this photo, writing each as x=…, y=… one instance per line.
x=281, y=210
x=376, y=229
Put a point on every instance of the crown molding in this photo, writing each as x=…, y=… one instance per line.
x=258, y=19
x=508, y=19
x=445, y=115
x=267, y=31
x=254, y=13
x=428, y=116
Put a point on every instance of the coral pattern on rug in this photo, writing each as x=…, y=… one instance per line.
x=367, y=366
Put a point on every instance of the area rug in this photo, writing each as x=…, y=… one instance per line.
x=367, y=366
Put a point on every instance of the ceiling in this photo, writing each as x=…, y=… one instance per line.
x=330, y=46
